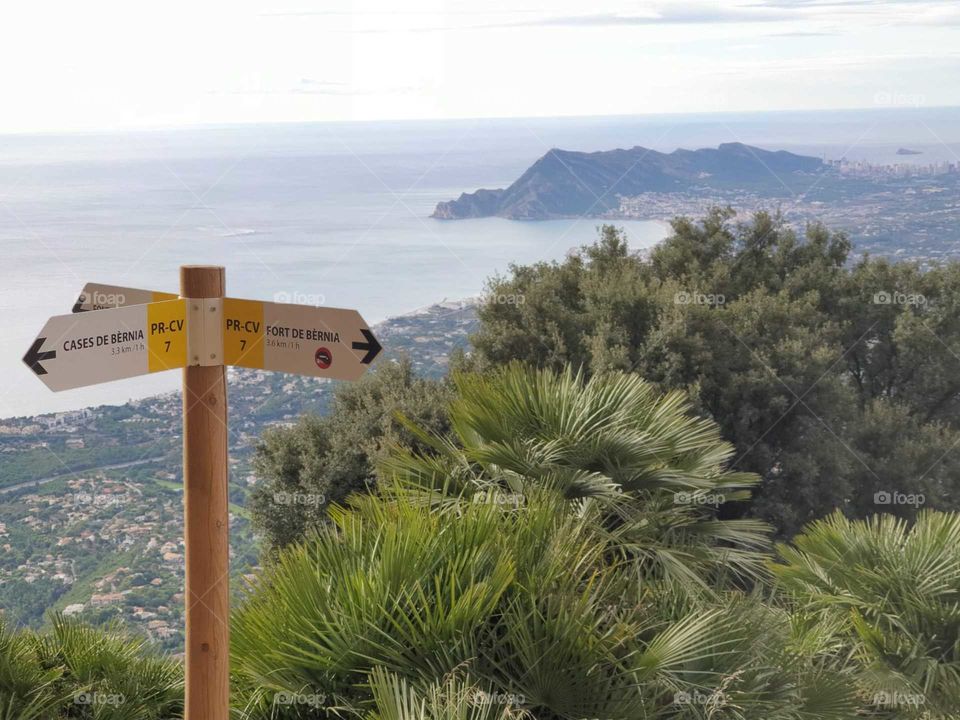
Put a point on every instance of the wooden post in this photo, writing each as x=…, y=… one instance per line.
x=206, y=532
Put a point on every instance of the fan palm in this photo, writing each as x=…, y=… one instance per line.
x=27, y=688
x=525, y=604
x=637, y=463
x=893, y=590
x=452, y=699
x=78, y=671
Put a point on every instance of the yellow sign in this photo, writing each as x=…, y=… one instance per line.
x=167, y=335
x=243, y=341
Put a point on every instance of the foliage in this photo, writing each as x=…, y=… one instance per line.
x=581, y=599
x=321, y=461
x=77, y=671
x=893, y=592
x=524, y=604
x=27, y=689
x=636, y=463
x=453, y=699
x=803, y=358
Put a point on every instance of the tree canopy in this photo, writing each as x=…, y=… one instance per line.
x=837, y=380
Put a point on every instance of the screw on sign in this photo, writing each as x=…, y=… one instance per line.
x=118, y=332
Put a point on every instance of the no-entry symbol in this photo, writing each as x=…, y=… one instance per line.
x=323, y=358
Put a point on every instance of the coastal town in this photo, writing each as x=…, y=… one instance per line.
x=899, y=209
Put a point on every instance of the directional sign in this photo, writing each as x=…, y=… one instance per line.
x=94, y=347
x=119, y=332
x=303, y=339
x=96, y=296
x=323, y=342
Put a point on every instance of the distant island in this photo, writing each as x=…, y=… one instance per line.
x=887, y=208
x=565, y=183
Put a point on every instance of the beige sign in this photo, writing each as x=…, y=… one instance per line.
x=96, y=296
x=95, y=347
x=307, y=340
x=324, y=342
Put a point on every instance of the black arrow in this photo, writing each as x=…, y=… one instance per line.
x=34, y=356
x=372, y=347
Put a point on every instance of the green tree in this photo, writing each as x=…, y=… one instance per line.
x=893, y=592
x=524, y=604
x=647, y=471
x=77, y=671
x=322, y=460
x=800, y=356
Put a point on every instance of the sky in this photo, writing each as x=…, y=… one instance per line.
x=113, y=64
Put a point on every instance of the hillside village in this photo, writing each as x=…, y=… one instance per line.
x=91, y=518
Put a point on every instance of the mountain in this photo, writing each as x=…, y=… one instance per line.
x=564, y=183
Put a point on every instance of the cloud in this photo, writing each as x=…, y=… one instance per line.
x=845, y=3
x=310, y=86
x=675, y=12
x=666, y=15
x=801, y=33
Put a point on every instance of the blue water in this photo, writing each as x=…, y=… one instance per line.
x=336, y=212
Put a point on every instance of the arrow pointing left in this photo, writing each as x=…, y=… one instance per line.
x=35, y=355
x=95, y=347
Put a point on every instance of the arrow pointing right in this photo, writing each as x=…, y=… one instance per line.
x=372, y=347
x=35, y=355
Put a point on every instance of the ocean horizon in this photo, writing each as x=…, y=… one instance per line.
x=334, y=214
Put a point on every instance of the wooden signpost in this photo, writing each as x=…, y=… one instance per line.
x=118, y=332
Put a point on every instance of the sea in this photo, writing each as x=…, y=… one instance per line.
x=335, y=214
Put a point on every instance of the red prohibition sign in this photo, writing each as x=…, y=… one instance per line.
x=323, y=358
